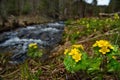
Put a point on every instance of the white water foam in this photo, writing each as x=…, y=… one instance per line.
x=55, y=24
x=31, y=27
x=17, y=40
x=50, y=29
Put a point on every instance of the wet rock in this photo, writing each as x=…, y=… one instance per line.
x=3, y=38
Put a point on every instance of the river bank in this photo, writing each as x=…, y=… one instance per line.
x=13, y=22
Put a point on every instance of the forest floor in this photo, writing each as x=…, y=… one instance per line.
x=53, y=68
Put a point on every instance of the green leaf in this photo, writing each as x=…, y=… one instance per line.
x=113, y=65
x=115, y=48
x=94, y=65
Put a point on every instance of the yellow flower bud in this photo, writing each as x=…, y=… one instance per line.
x=114, y=57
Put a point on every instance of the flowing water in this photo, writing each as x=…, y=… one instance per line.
x=16, y=42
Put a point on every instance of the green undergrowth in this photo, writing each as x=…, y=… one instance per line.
x=107, y=28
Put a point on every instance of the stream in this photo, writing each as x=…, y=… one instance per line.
x=16, y=42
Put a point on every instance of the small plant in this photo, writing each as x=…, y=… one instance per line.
x=109, y=55
x=27, y=74
x=37, y=74
x=103, y=46
x=75, y=58
x=34, y=51
x=103, y=61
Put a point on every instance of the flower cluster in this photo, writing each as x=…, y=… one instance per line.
x=104, y=46
x=33, y=45
x=116, y=16
x=75, y=52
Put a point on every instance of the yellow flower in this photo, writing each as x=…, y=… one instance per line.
x=77, y=57
x=83, y=22
x=104, y=46
x=78, y=32
x=66, y=51
x=32, y=45
x=102, y=43
x=107, y=20
x=94, y=30
x=74, y=51
x=35, y=47
x=95, y=45
x=88, y=25
x=104, y=50
x=114, y=57
x=116, y=16
x=78, y=46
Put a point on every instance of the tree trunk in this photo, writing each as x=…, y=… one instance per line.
x=3, y=12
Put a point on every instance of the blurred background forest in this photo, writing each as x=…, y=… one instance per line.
x=27, y=12
x=61, y=9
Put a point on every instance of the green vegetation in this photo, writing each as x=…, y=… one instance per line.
x=89, y=27
x=34, y=51
x=103, y=60
x=97, y=60
x=99, y=34
x=27, y=74
x=76, y=59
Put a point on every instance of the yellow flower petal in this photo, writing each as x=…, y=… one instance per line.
x=94, y=30
x=103, y=43
x=111, y=47
x=35, y=47
x=66, y=51
x=77, y=57
x=32, y=45
x=78, y=46
x=95, y=45
x=74, y=51
x=104, y=50
x=78, y=32
x=88, y=25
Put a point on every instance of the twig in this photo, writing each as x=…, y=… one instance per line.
x=111, y=32
x=3, y=76
x=117, y=38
